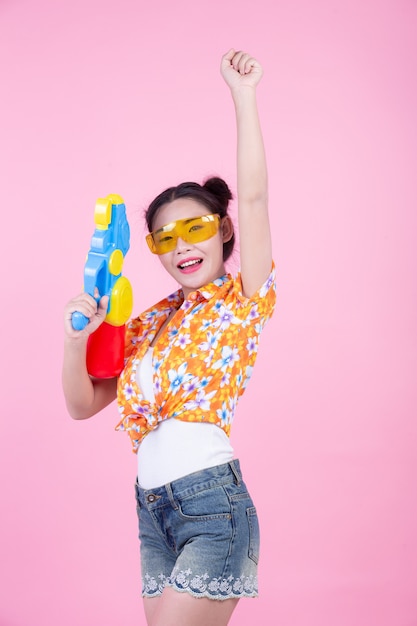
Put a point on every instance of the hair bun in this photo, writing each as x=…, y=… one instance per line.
x=219, y=188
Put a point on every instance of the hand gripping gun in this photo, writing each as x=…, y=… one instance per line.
x=103, y=273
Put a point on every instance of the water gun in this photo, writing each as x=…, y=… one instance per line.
x=103, y=273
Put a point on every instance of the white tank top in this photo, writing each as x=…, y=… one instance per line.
x=176, y=448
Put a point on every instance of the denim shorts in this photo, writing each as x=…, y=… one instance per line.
x=199, y=534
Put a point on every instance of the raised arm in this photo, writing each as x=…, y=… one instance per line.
x=84, y=396
x=242, y=74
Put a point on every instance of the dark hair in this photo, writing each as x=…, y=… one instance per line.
x=213, y=194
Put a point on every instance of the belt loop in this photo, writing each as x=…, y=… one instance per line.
x=235, y=472
x=171, y=496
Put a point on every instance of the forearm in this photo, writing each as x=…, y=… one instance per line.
x=77, y=384
x=252, y=176
x=85, y=396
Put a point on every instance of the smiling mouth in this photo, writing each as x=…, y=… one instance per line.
x=183, y=266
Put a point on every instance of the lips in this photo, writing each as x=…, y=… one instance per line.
x=189, y=265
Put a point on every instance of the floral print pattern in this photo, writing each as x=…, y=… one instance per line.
x=199, y=585
x=203, y=359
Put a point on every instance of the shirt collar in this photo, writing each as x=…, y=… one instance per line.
x=176, y=299
x=210, y=290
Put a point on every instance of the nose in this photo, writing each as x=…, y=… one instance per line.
x=182, y=245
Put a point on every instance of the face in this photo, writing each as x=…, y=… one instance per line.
x=193, y=265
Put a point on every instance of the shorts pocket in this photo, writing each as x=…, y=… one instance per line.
x=207, y=505
x=254, y=534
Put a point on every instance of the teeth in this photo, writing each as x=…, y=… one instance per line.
x=188, y=263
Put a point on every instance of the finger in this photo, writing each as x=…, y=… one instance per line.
x=236, y=59
x=250, y=66
x=84, y=304
x=102, y=306
x=229, y=55
x=245, y=64
x=89, y=303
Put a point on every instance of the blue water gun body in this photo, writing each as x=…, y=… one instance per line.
x=103, y=274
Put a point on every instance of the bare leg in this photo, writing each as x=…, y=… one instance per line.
x=173, y=608
x=150, y=606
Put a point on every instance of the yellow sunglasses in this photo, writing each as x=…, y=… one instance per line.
x=191, y=230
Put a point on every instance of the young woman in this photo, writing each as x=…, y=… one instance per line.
x=187, y=361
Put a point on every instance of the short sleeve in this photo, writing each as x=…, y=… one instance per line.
x=261, y=305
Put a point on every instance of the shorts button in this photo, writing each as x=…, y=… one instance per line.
x=151, y=498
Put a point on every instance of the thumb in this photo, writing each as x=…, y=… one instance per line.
x=102, y=307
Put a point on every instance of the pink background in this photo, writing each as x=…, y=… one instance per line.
x=126, y=97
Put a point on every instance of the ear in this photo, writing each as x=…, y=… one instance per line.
x=227, y=229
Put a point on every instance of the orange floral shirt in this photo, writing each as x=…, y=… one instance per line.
x=203, y=359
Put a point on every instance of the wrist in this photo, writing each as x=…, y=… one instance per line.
x=244, y=95
x=77, y=342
